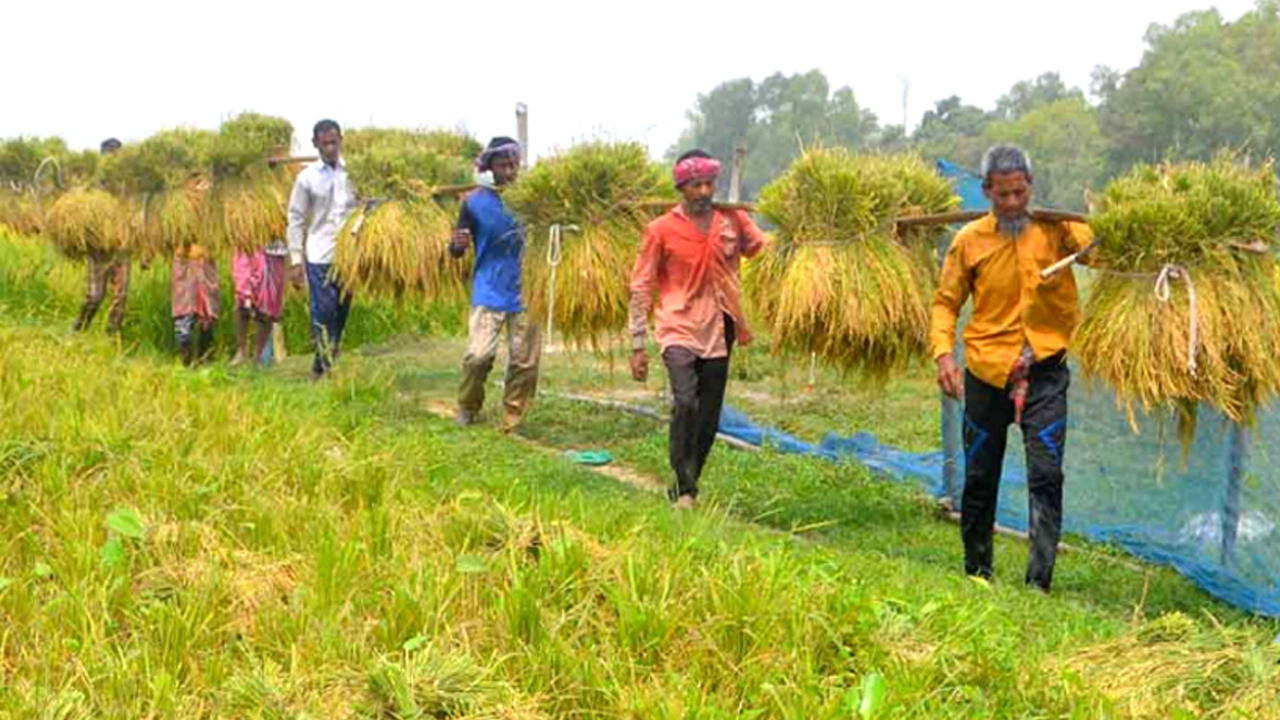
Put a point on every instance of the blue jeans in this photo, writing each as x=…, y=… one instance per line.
x=330, y=305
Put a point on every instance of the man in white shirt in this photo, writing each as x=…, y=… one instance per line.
x=322, y=199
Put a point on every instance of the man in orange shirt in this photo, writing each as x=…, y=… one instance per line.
x=1015, y=349
x=690, y=258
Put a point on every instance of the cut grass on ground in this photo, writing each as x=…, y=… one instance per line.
x=210, y=545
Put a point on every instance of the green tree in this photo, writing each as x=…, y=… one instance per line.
x=1204, y=85
x=774, y=120
x=954, y=131
x=1028, y=95
x=1066, y=147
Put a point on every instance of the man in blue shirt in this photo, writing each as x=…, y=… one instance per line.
x=495, y=291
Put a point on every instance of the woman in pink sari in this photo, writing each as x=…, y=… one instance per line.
x=259, y=280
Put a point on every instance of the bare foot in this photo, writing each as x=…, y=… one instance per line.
x=686, y=502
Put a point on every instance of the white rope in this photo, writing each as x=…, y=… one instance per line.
x=555, y=253
x=1168, y=274
x=35, y=180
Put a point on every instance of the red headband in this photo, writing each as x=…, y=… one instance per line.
x=696, y=168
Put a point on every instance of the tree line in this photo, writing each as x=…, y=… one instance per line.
x=1205, y=85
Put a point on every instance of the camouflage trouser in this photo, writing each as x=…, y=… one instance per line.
x=524, y=349
x=105, y=272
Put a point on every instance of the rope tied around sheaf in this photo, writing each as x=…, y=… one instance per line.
x=1163, y=290
x=555, y=254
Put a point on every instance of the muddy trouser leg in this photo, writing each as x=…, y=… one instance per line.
x=713, y=378
x=682, y=369
x=95, y=290
x=988, y=411
x=240, y=325
x=263, y=336
x=483, y=333
x=524, y=351
x=118, y=276
x=184, y=328
x=1044, y=431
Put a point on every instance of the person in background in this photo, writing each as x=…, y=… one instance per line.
x=259, y=280
x=1015, y=348
x=197, y=302
x=690, y=258
x=106, y=271
x=496, y=301
x=322, y=198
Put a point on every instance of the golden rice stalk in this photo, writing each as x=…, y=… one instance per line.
x=20, y=213
x=444, y=278
x=1190, y=215
x=1171, y=666
x=84, y=221
x=399, y=247
x=597, y=187
x=253, y=212
x=838, y=281
x=591, y=288
x=184, y=219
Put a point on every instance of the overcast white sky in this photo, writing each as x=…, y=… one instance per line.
x=86, y=70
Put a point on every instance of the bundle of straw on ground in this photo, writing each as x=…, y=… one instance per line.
x=1209, y=330
x=1174, y=666
x=397, y=243
x=600, y=189
x=86, y=221
x=839, y=281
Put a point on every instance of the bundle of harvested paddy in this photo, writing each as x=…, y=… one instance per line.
x=251, y=211
x=1173, y=666
x=398, y=164
x=20, y=213
x=86, y=221
x=597, y=188
x=182, y=219
x=398, y=243
x=244, y=143
x=1186, y=309
x=397, y=247
x=840, y=282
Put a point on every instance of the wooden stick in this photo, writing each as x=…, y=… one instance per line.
x=667, y=204
x=1065, y=262
x=453, y=190
x=292, y=160
x=959, y=216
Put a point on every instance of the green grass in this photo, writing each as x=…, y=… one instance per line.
x=221, y=544
x=37, y=284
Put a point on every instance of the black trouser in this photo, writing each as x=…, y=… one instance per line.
x=988, y=412
x=697, y=385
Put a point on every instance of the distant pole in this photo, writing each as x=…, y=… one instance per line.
x=522, y=131
x=735, y=174
x=906, y=92
x=1237, y=458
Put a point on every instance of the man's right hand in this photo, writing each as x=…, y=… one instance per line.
x=949, y=379
x=640, y=365
x=297, y=277
x=459, y=241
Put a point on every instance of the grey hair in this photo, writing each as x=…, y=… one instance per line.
x=1005, y=159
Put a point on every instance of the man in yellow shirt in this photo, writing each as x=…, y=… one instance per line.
x=1015, y=349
